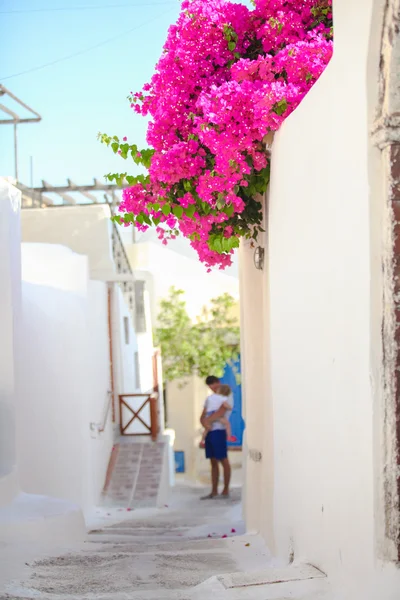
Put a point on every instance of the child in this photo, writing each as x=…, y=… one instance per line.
x=220, y=399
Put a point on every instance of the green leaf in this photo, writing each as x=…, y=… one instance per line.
x=178, y=211
x=120, y=179
x=220, y=203
x=280, y=107
x=115, y=147
x=206, y=208
x=190, y=210
x=225, y=244
x=166, y=209
x=147, y=220
x=129, y=218
x=229, y=210
x=217, y=244
x=232, y=46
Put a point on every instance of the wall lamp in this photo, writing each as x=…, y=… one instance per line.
x=259, y=258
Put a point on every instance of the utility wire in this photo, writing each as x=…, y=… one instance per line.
x=90, y=7
x=80, y=52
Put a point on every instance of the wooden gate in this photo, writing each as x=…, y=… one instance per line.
x=138, y=415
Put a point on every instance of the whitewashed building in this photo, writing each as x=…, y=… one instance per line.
x=159, y=268
x=24, y=517
x=79, y=341
x=319, y=322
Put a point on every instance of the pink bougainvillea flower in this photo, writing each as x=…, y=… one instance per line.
x=228, y=76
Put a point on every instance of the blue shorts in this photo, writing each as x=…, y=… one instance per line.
x=217, y=444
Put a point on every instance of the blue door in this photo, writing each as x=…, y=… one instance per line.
x=237, y=423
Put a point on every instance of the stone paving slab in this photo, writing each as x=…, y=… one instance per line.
x=135, y=474
x=270, y=576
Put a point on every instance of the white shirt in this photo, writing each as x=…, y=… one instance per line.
x=213, y=403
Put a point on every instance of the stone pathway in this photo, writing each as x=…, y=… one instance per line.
x=190, y=550
x=134, y=474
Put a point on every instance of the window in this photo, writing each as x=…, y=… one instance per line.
x=126, y=329
x=140, y=314
x=137, y=371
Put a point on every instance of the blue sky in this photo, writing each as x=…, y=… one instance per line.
x=83, y=95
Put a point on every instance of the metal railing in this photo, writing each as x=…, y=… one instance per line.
x=123, y=267
x=101, y=427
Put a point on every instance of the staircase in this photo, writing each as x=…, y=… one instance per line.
x=178, y=552
x=138, y=474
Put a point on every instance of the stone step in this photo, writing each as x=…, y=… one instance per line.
x=135, y=474
x=295, y=583
x=167, y=555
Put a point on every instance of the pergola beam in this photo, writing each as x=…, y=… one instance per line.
x=72, y=193
x=98, y=187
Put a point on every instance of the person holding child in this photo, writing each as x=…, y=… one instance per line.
x=215, y=420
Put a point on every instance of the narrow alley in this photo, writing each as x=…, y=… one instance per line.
x=200, y=292
x=189, y=550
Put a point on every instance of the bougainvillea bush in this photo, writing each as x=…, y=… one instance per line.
x=227, y=77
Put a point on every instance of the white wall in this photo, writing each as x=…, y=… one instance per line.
x=65, y=382
x=257, y=412
x=124, y=348
x=84, y=229
x=131, y=377
x=98, y=410
x=319, y=289
x=23, y=517
x=180, y=245
x=321, y=399
x=163, y=268
x=10, y=318
x=145, y=345
x=185, y=402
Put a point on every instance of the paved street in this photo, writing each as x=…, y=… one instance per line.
x=189, y=550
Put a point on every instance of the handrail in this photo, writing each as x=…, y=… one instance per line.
x=109, y=400
x=101, y=427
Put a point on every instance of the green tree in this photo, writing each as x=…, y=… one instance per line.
x=201, y=348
